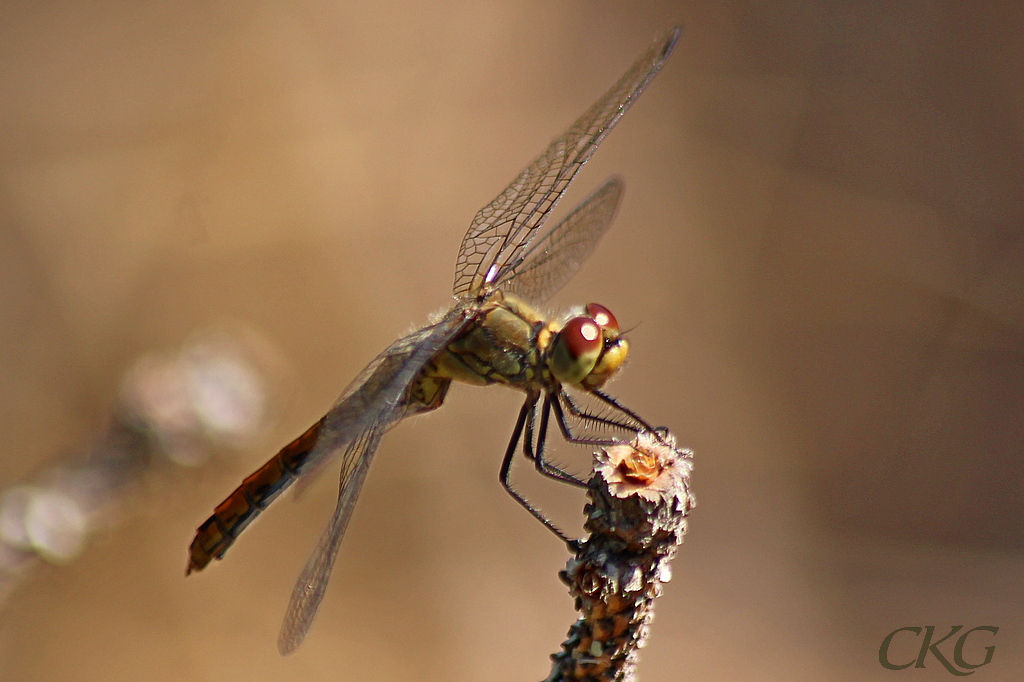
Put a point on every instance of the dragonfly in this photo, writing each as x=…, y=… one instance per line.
x=493, y=334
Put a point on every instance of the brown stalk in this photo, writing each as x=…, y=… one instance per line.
x=636, y=518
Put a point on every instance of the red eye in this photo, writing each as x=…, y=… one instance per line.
x=603, y=317
x=581, y=337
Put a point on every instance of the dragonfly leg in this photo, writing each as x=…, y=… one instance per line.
x=641, y=425
x=506, y=470
x=563, y=426
x=579, y=413
x=628, y=412
x=543, y=466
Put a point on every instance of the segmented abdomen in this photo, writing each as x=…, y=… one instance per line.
x=258, y=490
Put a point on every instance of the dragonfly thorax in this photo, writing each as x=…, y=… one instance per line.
x=513, y=344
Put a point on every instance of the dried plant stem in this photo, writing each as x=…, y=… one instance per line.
x=636, y=517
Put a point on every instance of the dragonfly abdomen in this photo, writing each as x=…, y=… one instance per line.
x=259, y=489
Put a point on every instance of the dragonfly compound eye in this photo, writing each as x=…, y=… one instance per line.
x=612, y=357
x=575, y=350
x=604, y=318
x=614, y=350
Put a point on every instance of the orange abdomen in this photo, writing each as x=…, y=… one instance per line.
x=243, y=505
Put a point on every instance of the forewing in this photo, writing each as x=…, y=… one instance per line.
x=502, y=230
x=373, y=403
x=554, y=258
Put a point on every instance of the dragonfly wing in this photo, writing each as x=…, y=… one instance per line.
x=372, y=404
x=360, y=405
x=554, y=258
x=375, y=394
x=312, y=583
x=501, y=232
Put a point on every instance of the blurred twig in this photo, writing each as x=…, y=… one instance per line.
x=175, y=408
x=639, y=499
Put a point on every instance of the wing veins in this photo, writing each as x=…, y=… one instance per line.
x=501, y=231
x=355, y=426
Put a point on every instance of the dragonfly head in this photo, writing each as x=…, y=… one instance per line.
x=588, y=349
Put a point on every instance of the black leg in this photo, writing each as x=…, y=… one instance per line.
x=576, y=411
x=528, y=435
x=628, y=412
x=563, y=426
x=506, y=469
x=543, y=466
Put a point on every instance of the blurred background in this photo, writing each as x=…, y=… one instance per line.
x=820, y=242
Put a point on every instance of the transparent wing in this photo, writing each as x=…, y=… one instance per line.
x=372, y=404
x=554, y=258
x=502, y=230
x=312, y=583
x=374, y=395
